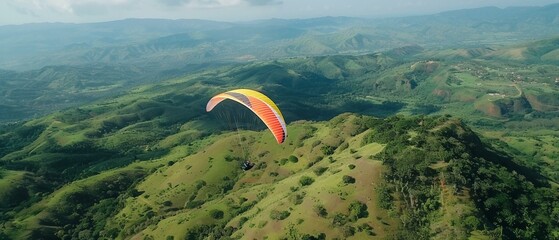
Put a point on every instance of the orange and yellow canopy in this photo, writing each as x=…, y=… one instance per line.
x=258, y=103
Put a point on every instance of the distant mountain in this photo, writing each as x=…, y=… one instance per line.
x=143, y=41
x=37, y=92
x=540, y=51
x=417, y=78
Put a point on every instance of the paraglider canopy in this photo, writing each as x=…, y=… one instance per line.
x=260, y=105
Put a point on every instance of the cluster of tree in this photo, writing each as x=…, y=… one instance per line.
x=15, y=136
x=212, y=231
x=509, y=197
x=83, y=213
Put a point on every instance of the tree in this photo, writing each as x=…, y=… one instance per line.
x=348, y=231
x=306, y=180
x=293, y=159
x=348, y=179
x=297, y=198
x=320, y=170
x=357, y=210
x=216, y=214
x=279, y=215
x=320, y=210
x=327, y=150
x=339, y=219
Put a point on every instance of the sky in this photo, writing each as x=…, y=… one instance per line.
x=79, y=11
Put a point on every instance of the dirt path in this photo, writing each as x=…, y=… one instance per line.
x=520, y=93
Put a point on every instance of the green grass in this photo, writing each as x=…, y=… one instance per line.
x=8, y=181
x=209, y=165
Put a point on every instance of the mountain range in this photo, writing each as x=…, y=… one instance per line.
x=158, y=42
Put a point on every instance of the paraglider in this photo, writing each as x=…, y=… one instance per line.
x=260, y=105
x=247, y=165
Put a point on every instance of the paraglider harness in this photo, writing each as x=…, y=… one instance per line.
x=247, y=165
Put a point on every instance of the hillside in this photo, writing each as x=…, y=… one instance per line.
x=34, y=93
x=361, y=176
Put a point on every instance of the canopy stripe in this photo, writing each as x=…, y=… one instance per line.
x=260, y=105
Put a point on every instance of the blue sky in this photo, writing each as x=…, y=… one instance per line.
x=29, y=11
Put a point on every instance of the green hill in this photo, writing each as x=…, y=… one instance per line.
x=540, y=51
x=361, y=176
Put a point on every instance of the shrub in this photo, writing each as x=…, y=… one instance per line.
x=262, y=154
x=348, y=231
x=279, y=215
x=316, y=143
x=193, y=204
x=320, y=210
x=471, y=223
x=242, y=221
x=351, y=166
x=365, y=227
x=227, y=186
x=320, y=236
x=339, y=219
x=306, y=180
x=343, y=146
x=262, y=224
x=327, y=150
x=261, y=165
x=297, y=198
x=200, y=184
x=229, y=158
x=320, y=170
x=293, y=159
x=348, y=179
x=314, y=161
x=357, y=210
x=262, y=195
x=216, y=214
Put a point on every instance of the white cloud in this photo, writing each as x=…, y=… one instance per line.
x=94, y=7
x=218, y=3
x=64, y=6
x=213, y=3
x=24, y=11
